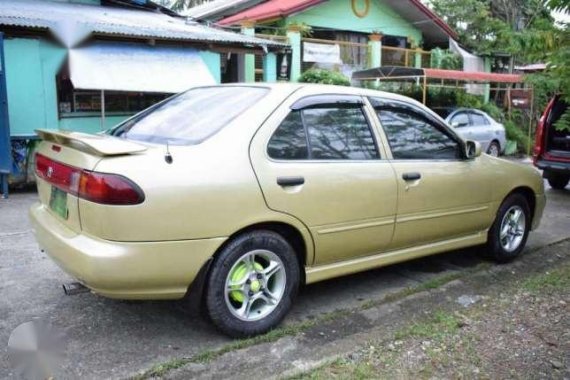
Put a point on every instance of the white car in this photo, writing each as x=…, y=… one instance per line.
x=472, y=124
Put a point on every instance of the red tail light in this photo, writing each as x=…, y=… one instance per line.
x=104, y=188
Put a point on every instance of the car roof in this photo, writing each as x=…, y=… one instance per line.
x=287, y=87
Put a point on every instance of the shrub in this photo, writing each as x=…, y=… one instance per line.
x=324, y=77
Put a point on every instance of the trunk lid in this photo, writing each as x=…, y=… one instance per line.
x=557, y=141
x=60, y=159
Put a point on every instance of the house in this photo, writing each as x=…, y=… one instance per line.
x=348, y=34
x=86, y=65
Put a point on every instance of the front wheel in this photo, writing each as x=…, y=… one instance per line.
x=252, y=284
x=508, y=234
x=494, y=149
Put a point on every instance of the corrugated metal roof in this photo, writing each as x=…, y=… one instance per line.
x=219, y=8
x=71, y=22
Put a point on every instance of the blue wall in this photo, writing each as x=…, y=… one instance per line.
x=31, y=68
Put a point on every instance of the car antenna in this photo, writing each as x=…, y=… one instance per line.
x=168, y=157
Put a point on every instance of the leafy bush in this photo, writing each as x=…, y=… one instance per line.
x=515, y=133
x=324, y=77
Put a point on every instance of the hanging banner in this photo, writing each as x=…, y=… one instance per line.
x=322, y=53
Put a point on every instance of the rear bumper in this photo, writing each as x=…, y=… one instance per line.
x=553, y=167
x=125, y=270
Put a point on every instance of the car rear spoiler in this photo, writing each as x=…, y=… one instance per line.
x=100, y=145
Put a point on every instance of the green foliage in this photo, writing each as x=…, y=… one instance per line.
x=324, y=77
x=563, y=124
x=515, y=133
x=491, y=26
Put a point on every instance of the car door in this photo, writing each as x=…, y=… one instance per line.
x=441, y=195
x=317, y=158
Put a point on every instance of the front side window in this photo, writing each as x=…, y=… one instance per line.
x=324, y=132
x=412, y=134
x=460, y=119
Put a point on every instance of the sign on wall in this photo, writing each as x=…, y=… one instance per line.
x=322, y=53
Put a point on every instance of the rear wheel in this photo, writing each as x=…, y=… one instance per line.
x=252, y=284
x=508, y=234
x=494, y=149
x=558, y=182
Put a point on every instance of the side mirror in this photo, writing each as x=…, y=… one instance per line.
x=472, y=149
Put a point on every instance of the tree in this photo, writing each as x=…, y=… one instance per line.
x=497, y=26
x=558, y=58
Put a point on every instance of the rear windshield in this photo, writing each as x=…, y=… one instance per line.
x=190, y=117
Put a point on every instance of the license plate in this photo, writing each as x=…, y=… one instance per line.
x=58, y=202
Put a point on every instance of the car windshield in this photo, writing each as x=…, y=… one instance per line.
x=190, y=117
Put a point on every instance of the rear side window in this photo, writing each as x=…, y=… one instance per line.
x=190, y=117
x=327, y=132
x=289, y=142
x=478, y=119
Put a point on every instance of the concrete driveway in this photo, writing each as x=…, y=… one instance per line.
x=114, y=339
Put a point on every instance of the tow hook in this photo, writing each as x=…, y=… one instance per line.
x=73, y=288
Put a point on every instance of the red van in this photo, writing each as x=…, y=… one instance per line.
x=552, y=147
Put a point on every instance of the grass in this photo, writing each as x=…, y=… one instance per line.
x=439, y=325
x=207, y=356
x=557, y=279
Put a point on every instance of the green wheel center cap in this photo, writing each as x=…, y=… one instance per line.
x=240, y=273
x=255, y=286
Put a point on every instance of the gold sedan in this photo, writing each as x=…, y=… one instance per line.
x=239, y=194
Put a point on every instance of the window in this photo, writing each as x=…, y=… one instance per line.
x=460, y=120
x=191, y=117
x=339, y=134
x=72, y=102
x=289, y=142
x=478, y=119
x=324, y=132
x=413, y=134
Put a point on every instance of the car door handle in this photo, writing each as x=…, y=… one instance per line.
x=290, y=181
x=413, y=176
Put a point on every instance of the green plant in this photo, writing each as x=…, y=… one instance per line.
x=324, y=77
x=563, y=124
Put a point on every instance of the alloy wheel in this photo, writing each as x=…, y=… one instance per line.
x=512, y=228
x=255, y=285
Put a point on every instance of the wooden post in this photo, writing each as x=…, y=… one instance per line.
x=424, y=95
x=102, y=110
x=530, y=121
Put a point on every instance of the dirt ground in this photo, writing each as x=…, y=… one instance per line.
x=521, y=331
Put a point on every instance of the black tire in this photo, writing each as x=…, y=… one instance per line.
x=494, y=147
x=495, y=249
x=558, y=182
x=216, y=305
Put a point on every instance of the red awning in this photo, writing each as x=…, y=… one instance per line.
x=467, y=76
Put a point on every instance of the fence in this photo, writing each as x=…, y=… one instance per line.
x=394, y=56
x=356, y=55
